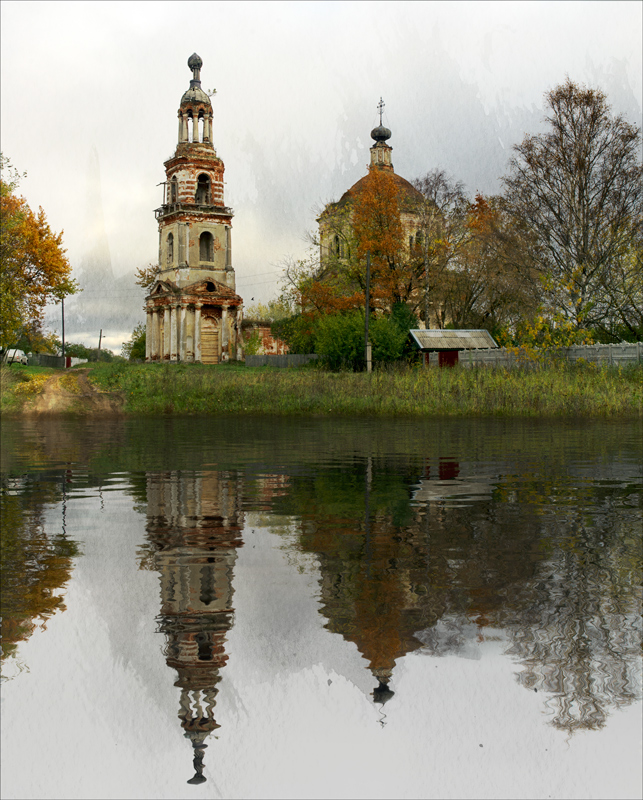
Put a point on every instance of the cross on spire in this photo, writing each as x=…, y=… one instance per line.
x=380, y=108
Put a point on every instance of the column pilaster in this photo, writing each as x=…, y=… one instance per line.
x=149, y=323
x=183, y=333
x=166, y=334
x=173, y=332
x=197, y=331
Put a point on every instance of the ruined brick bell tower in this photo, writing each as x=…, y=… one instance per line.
x=193, y=311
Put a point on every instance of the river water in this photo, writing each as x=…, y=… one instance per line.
x=252, y=607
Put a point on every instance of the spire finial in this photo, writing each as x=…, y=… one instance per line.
x=380, y=108
x=195, y=63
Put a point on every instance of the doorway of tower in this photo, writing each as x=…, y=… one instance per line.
x=209, y=341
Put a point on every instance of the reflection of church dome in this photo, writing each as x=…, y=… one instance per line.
x=382, y=694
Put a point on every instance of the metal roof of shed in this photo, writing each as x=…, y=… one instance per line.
x=441, y=339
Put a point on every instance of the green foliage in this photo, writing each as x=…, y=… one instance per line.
x=77, y=350
x=273, y=311
x=135, y=348
x=252, y=344
x=297, y=332
x=339, y=340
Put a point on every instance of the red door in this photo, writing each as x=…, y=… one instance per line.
x=448, y=358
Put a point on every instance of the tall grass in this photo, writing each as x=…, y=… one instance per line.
x=560, y=390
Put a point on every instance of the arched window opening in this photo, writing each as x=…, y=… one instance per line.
x=410, y=242
x=205, y=648
x=206, y=247
x=190, y=128
x=170, y=248
x=207, y=590
x=201, y=127
x=210, y=287
x=203, y=189
x=338, y=246
x=174, y=190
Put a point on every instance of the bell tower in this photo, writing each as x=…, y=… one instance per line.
x=193, y=311
x=194, y=222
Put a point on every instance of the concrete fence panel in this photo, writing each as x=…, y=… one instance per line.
x=289, y=360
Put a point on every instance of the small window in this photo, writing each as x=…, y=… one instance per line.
x=174, y=190
x=170, y=248
x=206, y=246
x=210, y=287
x=338, y=247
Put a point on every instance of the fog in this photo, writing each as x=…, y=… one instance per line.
x=90, y=93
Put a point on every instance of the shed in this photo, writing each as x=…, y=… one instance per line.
x=447, y=343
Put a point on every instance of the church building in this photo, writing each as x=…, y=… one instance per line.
x=193, y=310
x=336, y=240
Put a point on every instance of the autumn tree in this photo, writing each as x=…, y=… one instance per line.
x=443, y=232
x=485, y=285
x=378, y=229
x=577, y=191
x=146, y=276
x=33, y=266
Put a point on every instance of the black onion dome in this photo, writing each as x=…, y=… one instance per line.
x=380, y=134
x=195, y=62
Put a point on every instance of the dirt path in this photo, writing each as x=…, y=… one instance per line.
x=71, y=392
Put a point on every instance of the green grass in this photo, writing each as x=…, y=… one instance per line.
x=19, y=382
x=563, y=390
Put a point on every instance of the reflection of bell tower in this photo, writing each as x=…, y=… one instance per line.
x=194, y=529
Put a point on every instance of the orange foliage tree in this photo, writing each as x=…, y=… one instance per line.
x=33, y=266
x=369, y=223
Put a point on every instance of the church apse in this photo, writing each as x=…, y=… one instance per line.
x=194, y=526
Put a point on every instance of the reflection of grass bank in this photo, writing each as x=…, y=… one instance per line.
x=559, y=390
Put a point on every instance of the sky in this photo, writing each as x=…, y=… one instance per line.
x=94, y=88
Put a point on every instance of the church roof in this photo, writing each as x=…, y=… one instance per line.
x=409, y=196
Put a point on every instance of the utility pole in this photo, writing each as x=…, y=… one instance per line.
x=368, y=312
x=100, y=339
x=62, y=303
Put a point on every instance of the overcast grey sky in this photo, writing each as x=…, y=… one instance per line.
x=297, y=88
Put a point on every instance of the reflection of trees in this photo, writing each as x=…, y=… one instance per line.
x=554, y=562
x=35, y=565
x=194, y=529
x=577, y=631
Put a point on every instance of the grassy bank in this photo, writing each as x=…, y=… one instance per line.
x=558, y=390
x=19, y=383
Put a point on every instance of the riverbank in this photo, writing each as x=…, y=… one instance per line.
x=559, y=390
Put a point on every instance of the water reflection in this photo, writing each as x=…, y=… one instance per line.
x=435, y=565
x=426, y=541
x=36, y=560
x=194, y=524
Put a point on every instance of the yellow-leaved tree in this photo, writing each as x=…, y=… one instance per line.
x=33, y=266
